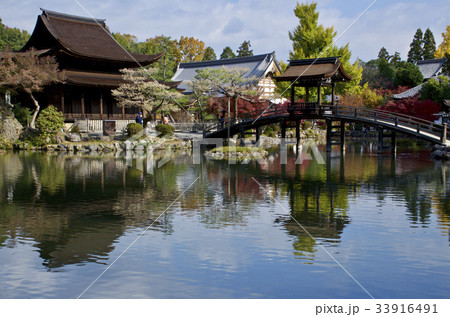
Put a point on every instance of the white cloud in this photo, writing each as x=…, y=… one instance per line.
x=264, y=23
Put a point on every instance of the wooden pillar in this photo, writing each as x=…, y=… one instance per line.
x=444, y=134
x=123, y=113
x=62, y=100
x=101, y=106
x=258, y=134
x=307, y=94
x=333, y=94
x=342, y=136
x=292, y=94
x=83, y=110
x=329, y=127
x=319, y=94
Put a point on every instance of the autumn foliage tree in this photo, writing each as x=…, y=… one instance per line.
x=29, y=73
x=444, y=47
x=424, y=109
x=191, y=49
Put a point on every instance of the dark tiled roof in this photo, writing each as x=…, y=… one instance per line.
x=409, y=93
x=80, y=36
x=431, y=67
x=257, y=66
x=314, y=69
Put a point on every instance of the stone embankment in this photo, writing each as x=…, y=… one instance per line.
x=440, y=152
x=74, y=143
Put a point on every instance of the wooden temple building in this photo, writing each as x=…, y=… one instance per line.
x=90, y=59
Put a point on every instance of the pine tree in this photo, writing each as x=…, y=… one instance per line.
x=429, y=45
x=227, y=53
x=244, y=50
x=416, y=52
x=210, y=55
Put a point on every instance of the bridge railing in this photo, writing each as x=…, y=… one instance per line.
x=367, y=115
x=382, y=116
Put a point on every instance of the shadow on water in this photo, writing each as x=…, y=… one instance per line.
x=75, y=208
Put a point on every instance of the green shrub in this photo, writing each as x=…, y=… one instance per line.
x=22, y=114
x=134, y=128
x=75, y=129
x=50, y=121
x=165, y=129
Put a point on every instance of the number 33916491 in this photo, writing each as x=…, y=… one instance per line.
x=405, y=309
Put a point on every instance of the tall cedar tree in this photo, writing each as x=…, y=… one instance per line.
x=244, y=50
x=311, y=40
x=444, y=47
x=384, y=54
x=395, y=59
x=210, y=55
x=429, y=45
x=416, y=47
x=191, y=49
x=227, y=53
x=28, y=73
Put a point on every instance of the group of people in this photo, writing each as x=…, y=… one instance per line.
x=140, y=119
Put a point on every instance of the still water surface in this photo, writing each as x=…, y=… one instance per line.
x=214, y=230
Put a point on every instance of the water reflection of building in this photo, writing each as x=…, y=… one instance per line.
x=74, y=208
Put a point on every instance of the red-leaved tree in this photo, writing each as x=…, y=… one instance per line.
x=217, y=105
x=424, y=109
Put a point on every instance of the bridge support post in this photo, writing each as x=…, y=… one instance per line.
x=394, y=143
x=297, y=131
x=283, y=129
x=444, y=134
x=329, y=127
x=258, y=134
x=380, y=139
x=242, y=137
x=342, y=136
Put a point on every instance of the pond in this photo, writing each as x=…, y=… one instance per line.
x=159, y=226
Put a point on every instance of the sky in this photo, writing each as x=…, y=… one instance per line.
x=367, y=25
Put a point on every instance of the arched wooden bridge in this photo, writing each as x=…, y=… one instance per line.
x=286, y=114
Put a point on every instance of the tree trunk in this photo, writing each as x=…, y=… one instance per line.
x=236, y=108
x=35, y=113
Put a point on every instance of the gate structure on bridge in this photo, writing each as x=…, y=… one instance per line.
x=317, y=74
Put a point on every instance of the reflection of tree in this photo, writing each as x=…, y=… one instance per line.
x=75, y=207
